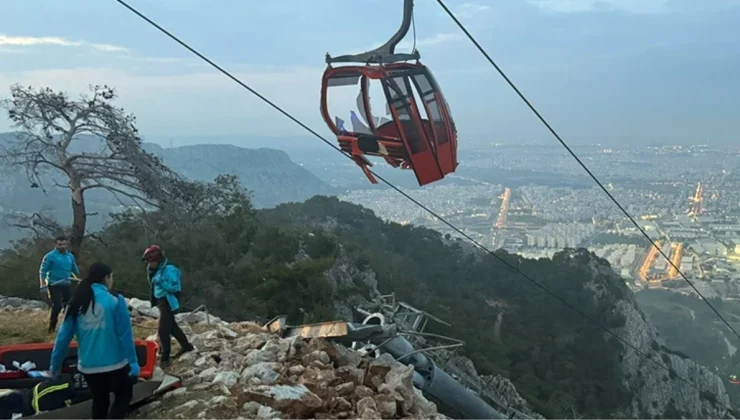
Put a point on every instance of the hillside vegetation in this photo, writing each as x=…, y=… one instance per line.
x=690, y=327
x=316, y=260
x=243, y=263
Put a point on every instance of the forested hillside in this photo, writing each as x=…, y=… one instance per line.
x=316, y=260
x=256, y=264
x=690, y=326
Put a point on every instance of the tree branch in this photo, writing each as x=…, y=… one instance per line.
x=40, y=224
x=121, y=192
x=49, y=122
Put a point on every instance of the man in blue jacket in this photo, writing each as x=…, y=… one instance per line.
x=164, y=279
x=55, y=276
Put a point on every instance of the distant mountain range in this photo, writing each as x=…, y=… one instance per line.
x=269, y=174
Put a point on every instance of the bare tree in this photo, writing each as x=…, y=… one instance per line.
x=89, y=142
x=40, y=223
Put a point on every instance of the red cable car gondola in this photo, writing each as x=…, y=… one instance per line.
x=425, y=143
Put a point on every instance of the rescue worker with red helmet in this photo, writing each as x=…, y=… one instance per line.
x=164, y=279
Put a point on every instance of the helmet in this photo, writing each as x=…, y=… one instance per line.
x=153, y=253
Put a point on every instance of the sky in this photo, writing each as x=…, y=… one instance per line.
x=601, y=71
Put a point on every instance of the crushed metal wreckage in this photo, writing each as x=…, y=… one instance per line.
x=394, y=328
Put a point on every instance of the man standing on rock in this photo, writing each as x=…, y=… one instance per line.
x=55, y=276
x=164, y=279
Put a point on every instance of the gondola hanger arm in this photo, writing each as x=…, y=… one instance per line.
x=386, y=53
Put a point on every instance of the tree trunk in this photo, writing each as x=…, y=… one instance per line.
x=79, y=221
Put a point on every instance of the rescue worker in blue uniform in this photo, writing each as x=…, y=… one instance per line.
x=164, y=279
x=55, y=277
x=106, y=351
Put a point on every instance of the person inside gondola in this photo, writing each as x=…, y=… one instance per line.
x=106, y=351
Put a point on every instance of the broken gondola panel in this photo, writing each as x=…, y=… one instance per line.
x=419, y=135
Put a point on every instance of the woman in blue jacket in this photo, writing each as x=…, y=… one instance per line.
x=106, y=351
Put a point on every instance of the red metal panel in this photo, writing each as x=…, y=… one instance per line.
x=451, y=130
x=436, y=126
x=449, y=123
x=445, y=154
x=421, y=155
x=441, y=120
x=429, y=148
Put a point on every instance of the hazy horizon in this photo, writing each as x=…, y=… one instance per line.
x=615, y=72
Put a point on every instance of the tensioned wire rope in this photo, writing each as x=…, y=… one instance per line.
x=404, y=194
x=580, y=162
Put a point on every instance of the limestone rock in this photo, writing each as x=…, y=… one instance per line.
x=261, y=373
x=294, y=400
x=240, y=371
x=227, y=378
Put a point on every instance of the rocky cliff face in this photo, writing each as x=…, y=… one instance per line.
x=496, y=390
x=360, y=286
x=686, y=389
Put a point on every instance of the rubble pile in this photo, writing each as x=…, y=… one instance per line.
x=240, y=371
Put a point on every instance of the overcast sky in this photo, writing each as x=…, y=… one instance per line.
x=600, y=70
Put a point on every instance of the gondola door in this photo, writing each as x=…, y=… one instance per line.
x=441, y=127
x=408, y=121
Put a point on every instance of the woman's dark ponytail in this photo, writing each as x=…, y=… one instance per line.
x=84, y=296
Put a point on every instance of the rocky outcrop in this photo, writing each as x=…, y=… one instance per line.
x=496, y=390
x=360, y=287
x=239, y=370
x=684, y=389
